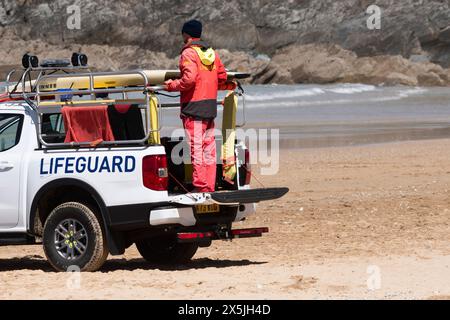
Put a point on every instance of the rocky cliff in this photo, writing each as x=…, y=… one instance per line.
x=278, y=41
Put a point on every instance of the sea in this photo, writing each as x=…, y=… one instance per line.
x=315, y=116
x=310, y=116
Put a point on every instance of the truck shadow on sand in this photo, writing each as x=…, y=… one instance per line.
x=202, y=263
x=36, y=262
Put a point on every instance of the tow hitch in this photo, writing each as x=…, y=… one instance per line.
x=208, y=236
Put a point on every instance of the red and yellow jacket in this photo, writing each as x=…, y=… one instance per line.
x=199, y=82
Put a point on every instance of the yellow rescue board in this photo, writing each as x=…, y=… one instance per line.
x=230, y=104
x=154, y=121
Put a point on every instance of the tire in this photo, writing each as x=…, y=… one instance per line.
x=166, y=250
x=85, y=248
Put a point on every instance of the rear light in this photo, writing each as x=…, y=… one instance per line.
x=248, y=167
x=154, y=172
x=223, y=235
x=194, y=235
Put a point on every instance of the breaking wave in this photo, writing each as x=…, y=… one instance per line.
x=285, y=94
x=352, y=88
x=402, y=93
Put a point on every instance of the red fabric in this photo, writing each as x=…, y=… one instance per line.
x=197, y=82
x=6, y=98
x=122, y=108
x=85, y=124
x=200, y=137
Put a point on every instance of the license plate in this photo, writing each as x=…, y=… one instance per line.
x=207, y=208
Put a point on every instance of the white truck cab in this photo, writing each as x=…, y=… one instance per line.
x=83, y=201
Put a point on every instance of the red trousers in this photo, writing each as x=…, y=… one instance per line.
x=200, y=137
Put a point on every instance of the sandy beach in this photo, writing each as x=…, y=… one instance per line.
x=364, y=222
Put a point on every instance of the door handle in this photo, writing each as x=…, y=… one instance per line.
x=5, y=165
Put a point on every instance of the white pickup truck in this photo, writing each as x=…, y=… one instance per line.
x=83, y=203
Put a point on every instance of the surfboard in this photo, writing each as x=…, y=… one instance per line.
x=155, y=77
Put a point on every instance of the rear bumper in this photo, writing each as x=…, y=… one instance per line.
x=186, y=216
x=180, y=209
x=183, y=216
x=129, y=217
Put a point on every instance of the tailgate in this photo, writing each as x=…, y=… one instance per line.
x=235, y=197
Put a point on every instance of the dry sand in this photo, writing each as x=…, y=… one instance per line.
x=359, y=222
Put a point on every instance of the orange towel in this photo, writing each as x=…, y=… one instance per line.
x=87, y=124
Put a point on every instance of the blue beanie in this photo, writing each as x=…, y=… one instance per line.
x=193, y=28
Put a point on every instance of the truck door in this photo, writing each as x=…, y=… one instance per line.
x=10, y=159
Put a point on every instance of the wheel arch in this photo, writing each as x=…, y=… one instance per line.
x=114, y=239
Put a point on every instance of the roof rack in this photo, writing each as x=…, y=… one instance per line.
x=33, y=92
x=55, y=78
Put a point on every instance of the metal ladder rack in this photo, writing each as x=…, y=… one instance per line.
x=33, y=96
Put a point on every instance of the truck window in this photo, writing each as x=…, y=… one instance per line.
x=53, y=130
x=10, y=130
